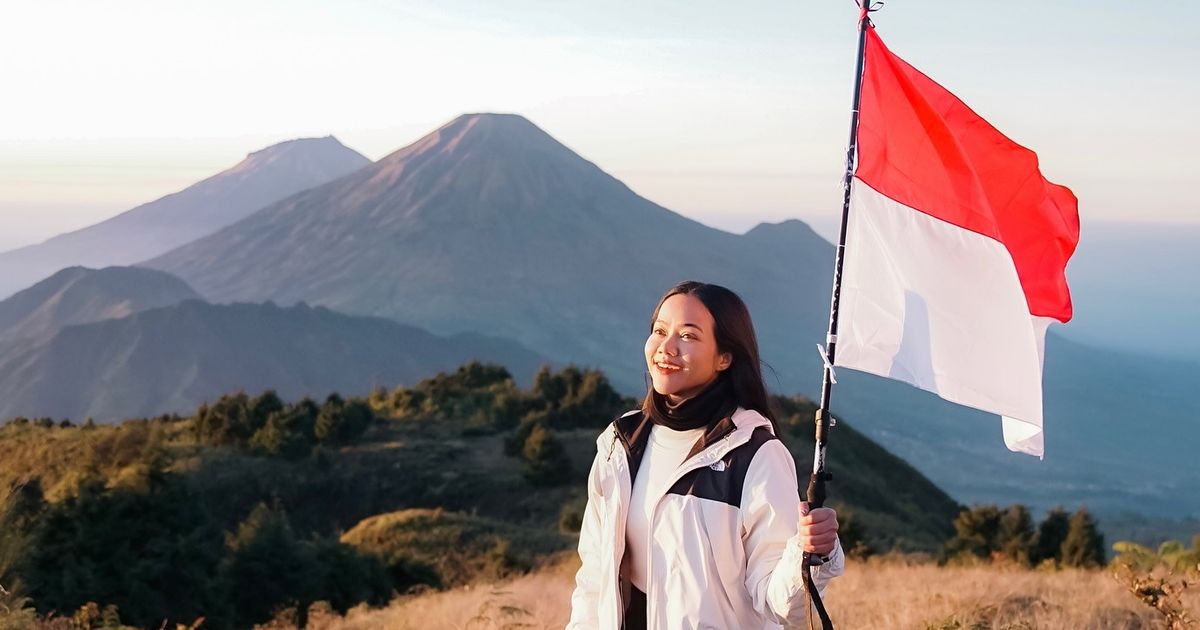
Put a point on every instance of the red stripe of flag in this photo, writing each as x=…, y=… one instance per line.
x=921, y=146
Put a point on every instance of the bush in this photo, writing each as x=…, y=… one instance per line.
x=341, y=422
x=544, y=459
x=229, y=420
x=287, y=433
x=1159, y=579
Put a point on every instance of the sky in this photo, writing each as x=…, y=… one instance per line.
x=729, y=113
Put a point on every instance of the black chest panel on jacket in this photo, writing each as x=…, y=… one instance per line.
x=722, y=481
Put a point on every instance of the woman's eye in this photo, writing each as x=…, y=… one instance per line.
x=686, y=336
x=658, y=331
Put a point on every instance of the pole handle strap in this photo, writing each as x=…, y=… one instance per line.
x=814, y=600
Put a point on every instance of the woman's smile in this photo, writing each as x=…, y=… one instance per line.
x=666, y=368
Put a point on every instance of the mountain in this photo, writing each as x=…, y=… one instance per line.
x=78, y=295
x=490, y=225
x=172, y=358
x=263, y=177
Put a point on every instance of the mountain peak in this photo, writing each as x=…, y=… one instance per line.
x=788, y=228
x=499, y=134
x=300, y=144
x=326, y=150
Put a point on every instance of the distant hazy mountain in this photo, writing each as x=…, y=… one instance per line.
x=490, y=225
x=78, y=295
x=173, y=358
x=263, y=177
x=1136, y=287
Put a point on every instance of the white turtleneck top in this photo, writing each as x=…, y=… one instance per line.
x=665, y=450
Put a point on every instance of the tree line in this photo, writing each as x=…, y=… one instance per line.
x=990, y=533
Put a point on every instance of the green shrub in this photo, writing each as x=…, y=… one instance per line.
x=544, y=461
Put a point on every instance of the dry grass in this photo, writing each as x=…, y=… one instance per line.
x=875, y=594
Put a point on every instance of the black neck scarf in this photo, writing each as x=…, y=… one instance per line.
x=708, y=406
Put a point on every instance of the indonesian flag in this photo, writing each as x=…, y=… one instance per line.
x=956, y=248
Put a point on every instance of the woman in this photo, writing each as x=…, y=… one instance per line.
x=694, y=518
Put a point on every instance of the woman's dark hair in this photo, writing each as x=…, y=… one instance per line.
x=735, y=335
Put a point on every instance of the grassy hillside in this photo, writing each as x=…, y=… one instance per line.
x=422, y=495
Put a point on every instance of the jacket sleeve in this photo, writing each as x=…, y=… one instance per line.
x=585, y=598
x=774, y=558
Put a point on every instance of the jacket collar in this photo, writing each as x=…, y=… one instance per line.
x=632, y=430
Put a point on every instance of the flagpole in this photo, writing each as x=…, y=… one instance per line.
x=816, y=483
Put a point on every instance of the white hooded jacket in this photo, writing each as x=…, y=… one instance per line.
x=725, y=550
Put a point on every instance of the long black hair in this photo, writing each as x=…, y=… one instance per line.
x=735, y=335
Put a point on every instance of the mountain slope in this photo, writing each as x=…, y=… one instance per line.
x=172, y=358
x=263, y=177
x=78, y=295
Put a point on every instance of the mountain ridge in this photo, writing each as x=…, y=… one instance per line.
x=148, y=229
x=171, y=358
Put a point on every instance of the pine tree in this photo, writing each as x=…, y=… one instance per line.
x=1084, y=545
x=266, y=567
x=1015, y=537
x=975, y=532
x=1051, y=534
x=263, y=406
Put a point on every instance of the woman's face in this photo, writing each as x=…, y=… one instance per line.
x=681, y=352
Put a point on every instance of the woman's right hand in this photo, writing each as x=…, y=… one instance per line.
x=818, y=529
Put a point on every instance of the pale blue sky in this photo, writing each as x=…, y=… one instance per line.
x=731, y=113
